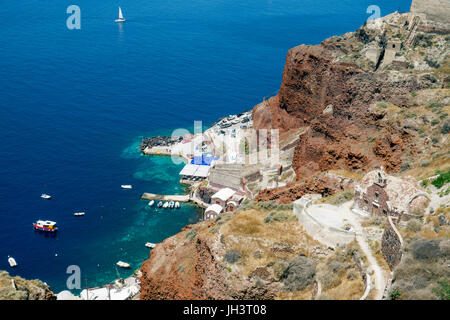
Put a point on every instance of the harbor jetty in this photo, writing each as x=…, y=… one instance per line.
x=152, y=196
x=159, y=141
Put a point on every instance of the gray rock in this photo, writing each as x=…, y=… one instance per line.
x=442, y=220
x=328, y=109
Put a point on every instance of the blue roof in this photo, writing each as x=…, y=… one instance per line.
x=203, y=160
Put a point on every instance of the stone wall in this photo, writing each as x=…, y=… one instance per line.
x=391, y=244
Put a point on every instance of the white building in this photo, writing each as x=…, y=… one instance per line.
x=213, y=211
x=222, y=196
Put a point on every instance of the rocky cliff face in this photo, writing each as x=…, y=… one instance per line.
x=334, y=90
x=377, y=96
x=17, y=288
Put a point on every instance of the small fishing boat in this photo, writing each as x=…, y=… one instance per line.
x=151, y=203
x=121, y=18
x=160, y=204
x=78, y=214
x=150, y=245
x=45, y=225
x=123, y=264
x=127, y=186
x=46, y=196
x=166, y=204
x=12, y=262
x=171, y=204
x=177, y=205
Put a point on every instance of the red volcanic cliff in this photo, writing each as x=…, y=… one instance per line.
x=333, y=99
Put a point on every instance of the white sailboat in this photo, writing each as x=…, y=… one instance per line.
x=121, y=19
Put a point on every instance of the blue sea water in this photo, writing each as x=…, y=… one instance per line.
x=74, y=104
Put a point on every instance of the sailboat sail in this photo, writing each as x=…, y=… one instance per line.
x=120, y=14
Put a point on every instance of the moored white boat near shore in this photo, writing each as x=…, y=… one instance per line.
x=127, y=186
x=12, y=262
x=123, y=264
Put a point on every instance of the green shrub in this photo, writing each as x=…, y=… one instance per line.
x=278, y=216
x=267, y=205
x=445, y=127
x=191, y=234
x=414, y=225
x=425, y=163
x=232, y=256
x=405, y=166
x=443, y=291
x=443, y=178
x=395, y=293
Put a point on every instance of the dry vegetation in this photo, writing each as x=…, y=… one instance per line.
x=337, y=198
x=339, y=276
x=267, y=237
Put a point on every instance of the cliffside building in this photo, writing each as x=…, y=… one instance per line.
x=385, y=195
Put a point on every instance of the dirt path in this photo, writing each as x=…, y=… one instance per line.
x=378, y=274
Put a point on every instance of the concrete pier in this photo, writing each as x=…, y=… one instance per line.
x=152, y=196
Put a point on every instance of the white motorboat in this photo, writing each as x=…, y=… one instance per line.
x=12, y=262
x=121, y=18
x=151, y=203
x=171, y=204
x=166, y=204
x=177, y=205
x=78, y=214
x=47, y=225
x=46, y=196
x=150, y=245
x=127, y=186
x=123, y=264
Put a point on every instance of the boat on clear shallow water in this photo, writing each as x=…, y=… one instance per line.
x=46, y=196
x=150, y=245
x=171, y=204
x=45, y=225
x=160, y=204
x=151, y=203
x=127, y=186
x=166, y=204
x=121, y=18
x=177, y=205
x=12, y=262
x=123, y=264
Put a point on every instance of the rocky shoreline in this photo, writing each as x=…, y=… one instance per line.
x=159, y=141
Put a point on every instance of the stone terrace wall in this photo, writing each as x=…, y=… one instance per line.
x=391, y=244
